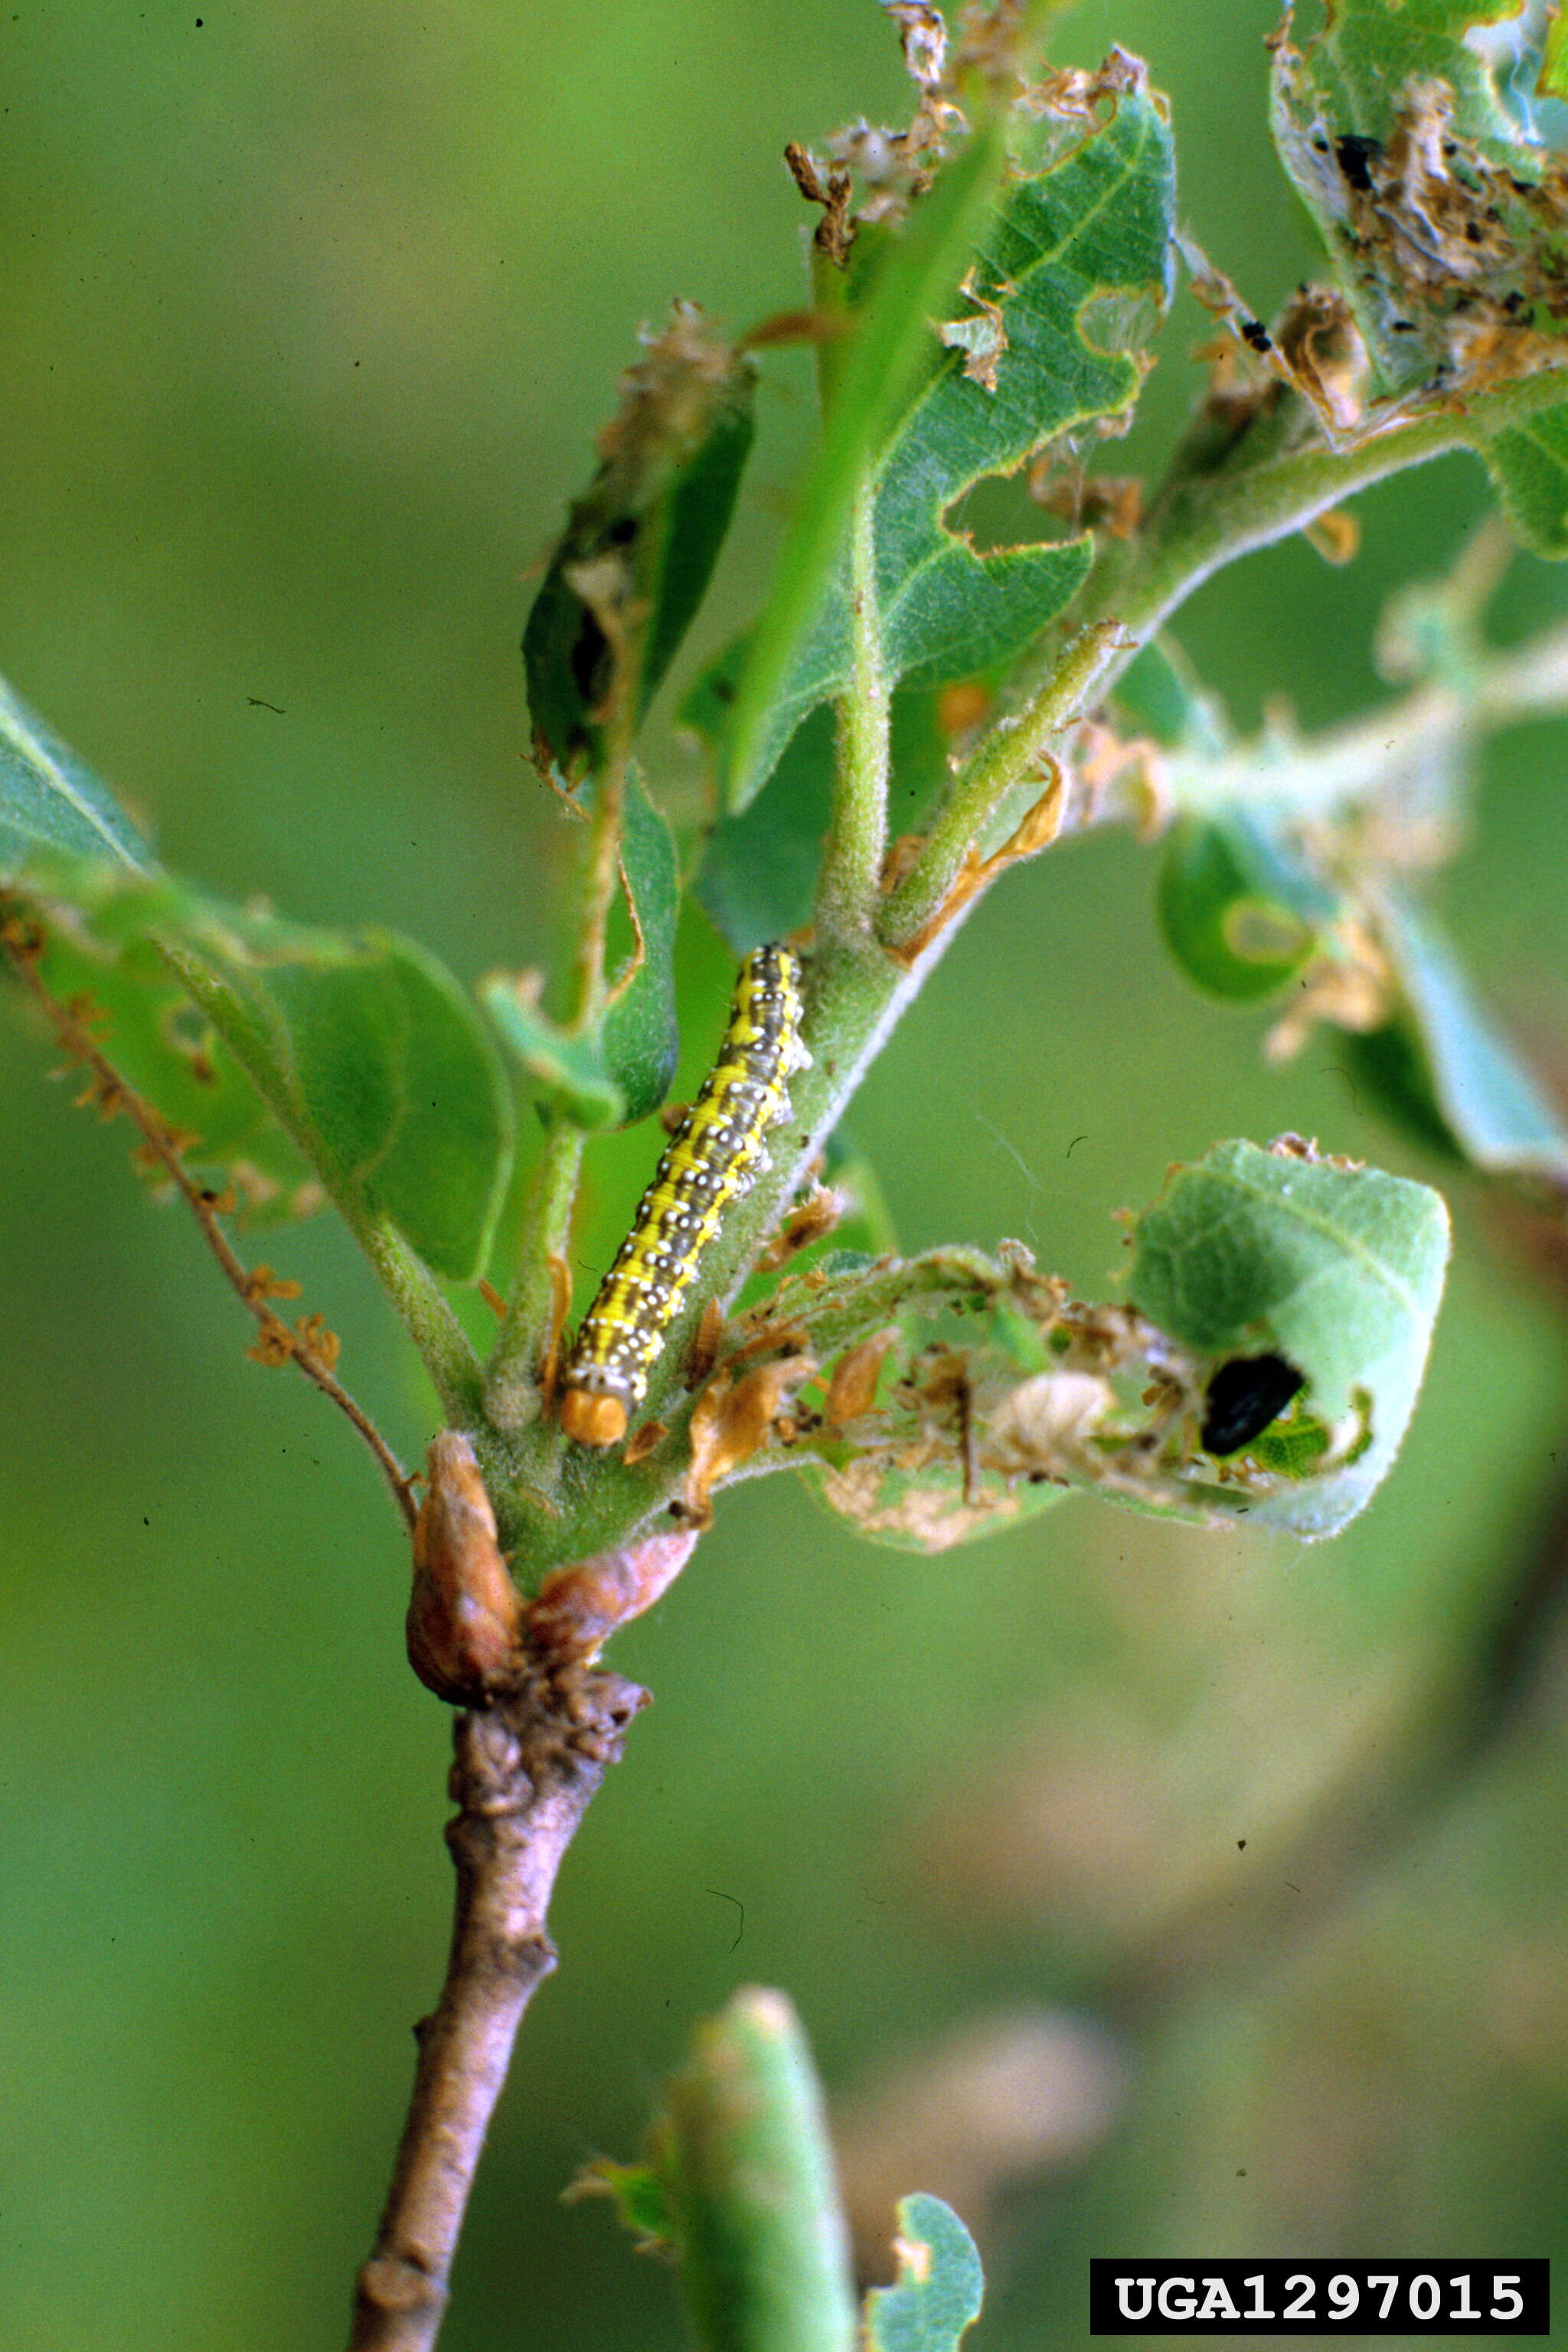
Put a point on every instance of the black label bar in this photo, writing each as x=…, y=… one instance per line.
x=1396, y=2297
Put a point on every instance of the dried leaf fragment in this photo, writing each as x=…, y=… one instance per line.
x=852, y=1391
x=578, y=1607
x=731, y=1421
x=465, y=1616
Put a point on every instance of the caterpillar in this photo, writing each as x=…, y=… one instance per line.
x=713, y=1156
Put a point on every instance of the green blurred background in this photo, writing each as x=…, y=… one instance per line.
x=311, y=308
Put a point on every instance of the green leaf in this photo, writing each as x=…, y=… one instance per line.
x=1553, y=81
x=641, y=1037
x=870, y=379
x=361, y=1047
x=169, y=1053
x=640, y=2195
x=50, y=801
x=1336, y=1267
x=639, y=546
x=940, y=2288
x=1435, y=200
x=1075, y=256
x=1499, y=1118
x=763, y=2251
x=570, y=1071
x=1240, y=912
x=757, y=879
x=1528, y=463
x=402, y=1089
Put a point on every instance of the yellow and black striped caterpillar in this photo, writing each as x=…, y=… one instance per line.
x=713, y=1156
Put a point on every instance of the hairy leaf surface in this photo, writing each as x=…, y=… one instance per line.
x=1075, y=259
x=1338, y=1269
x=50, y=801
x=940, y=2288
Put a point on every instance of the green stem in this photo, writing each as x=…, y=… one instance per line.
x=1195, y=528
x=857, y=843
x=511, y=1394
x=510, y=1387
x=857, y=992
x=443, y=1345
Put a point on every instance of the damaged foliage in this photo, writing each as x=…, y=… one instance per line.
x=1047, y=316
x=988, y=1390
x=1446, y=214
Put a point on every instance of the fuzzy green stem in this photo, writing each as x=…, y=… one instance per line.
x=511, y=1394
x=857, y=841
x=1197, y=527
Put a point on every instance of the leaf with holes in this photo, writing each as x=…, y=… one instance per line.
x=940, y=2288
x=1075, y=258
x=1408, y=132
x=1338, y=1269
x=641, y=544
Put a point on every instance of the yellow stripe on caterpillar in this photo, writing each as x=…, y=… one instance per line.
x=712, y=1158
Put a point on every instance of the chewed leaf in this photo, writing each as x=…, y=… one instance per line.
x=887, y=294
x=1497, y=1115
x=641, y=1037
x=940, y=2283
x=641, y=544
x=1445, y=215
x=1336, y=1268
x=569, y=1070
x=50, y=801
x=164, y=1047
x=1240, y=913
x=1283, y=1305
x=1068, y=233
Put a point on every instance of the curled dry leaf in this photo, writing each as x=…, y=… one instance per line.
x=852, y=1391
x=465, y=1616
x=812, y=1221
x=730, y=1421
x=703, y=1353
x=578, y=1607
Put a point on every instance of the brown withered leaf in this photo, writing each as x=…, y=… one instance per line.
x=811, y=1220
x=578, y=1607
x=703, y=1353
x=852, y=1391
x=465, y=1615
x=733, y=1420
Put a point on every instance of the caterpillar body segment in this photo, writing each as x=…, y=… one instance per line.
x=715, y=1156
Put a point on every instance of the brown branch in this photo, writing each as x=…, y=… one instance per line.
x=308, y=1344
x=525, y=1769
